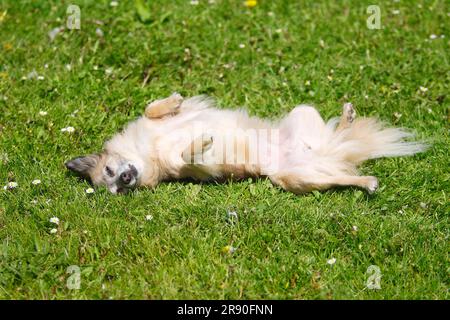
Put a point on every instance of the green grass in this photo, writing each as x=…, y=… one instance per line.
x=283, y=241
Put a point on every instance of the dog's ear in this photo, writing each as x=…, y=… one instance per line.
x=83, y=165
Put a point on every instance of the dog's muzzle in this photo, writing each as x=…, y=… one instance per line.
x=129, y=176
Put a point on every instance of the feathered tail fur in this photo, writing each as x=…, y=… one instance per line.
x=366, y=138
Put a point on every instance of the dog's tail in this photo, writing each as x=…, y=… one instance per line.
x=367, y=138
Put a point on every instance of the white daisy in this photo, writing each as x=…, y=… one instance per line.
x=53, y=231
x=99, y=32
x=32, y=75
x=149, y=217
x=194, y=2
x=331, y=261
x=36, y=182
x=423, y=89
x=433, y=36
x=307, y=83
x=355, y=228
x=54, y=220
x=40, y=78
x=109, y=71
x=68, y=129
x=232, y=215
x=395, y=12
x=43, y=113
x=11, y=185
x=114, y=3
x=89, y=190
x=242, y=46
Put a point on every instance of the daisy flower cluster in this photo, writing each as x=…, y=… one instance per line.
x=13, y=184
x=55, y=221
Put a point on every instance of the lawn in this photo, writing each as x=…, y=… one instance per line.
x=178, y=241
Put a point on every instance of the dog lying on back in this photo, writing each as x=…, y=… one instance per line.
x=189, y=138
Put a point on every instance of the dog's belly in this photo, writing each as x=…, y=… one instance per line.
x=242, y=146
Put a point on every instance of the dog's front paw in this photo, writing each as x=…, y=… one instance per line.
x=164, y=107
x=176, y=99
x=372, y=184
x=194, y=152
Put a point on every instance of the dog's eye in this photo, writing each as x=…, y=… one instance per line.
x=109, y=171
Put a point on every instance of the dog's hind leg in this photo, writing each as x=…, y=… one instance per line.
x=163, y=107
x=302, y=125
x=347, y=117
x=297, y=182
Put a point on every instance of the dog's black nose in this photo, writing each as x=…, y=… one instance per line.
x=126, y=177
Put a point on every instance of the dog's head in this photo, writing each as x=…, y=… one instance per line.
x=114, y=171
